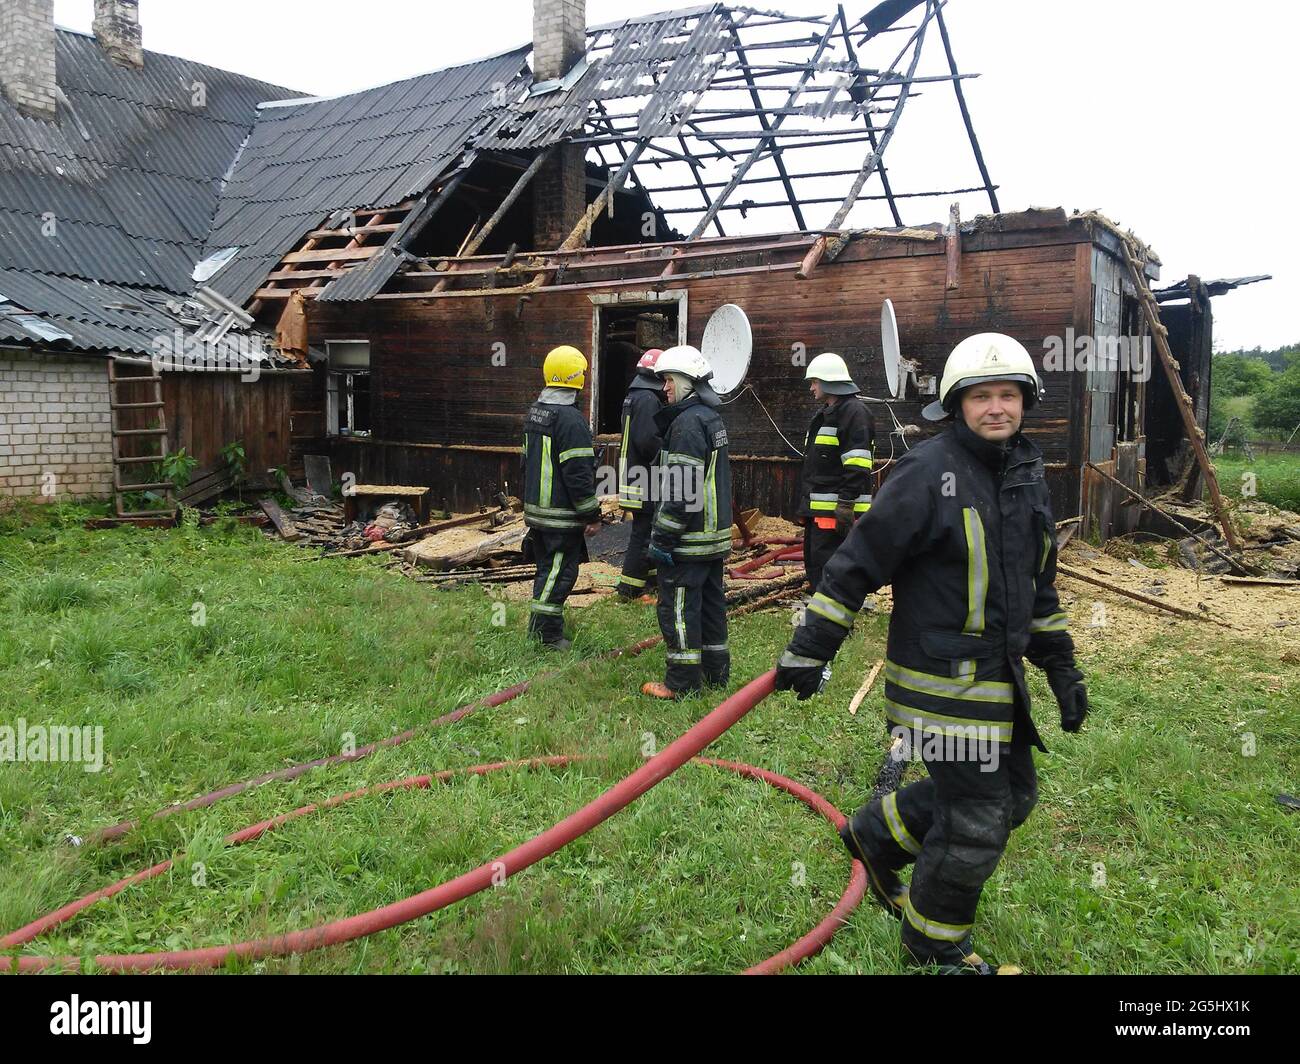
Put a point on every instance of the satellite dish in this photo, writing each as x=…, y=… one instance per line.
x=728, y=343
x=891, y=350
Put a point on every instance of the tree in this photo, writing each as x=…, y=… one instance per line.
x=1277, y=407
x=1234, y=375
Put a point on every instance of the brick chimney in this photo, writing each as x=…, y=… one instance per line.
x=27, y=56
x=117, y=28
x=560, y=187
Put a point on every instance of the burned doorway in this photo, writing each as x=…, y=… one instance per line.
x=624, y=327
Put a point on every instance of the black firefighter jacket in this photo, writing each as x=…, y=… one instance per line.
x=837, y=459
x=963, y=530
x=640, y=447
x=559, y=469
x=693, y=520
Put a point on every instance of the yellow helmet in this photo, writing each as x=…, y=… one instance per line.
x=565, y=367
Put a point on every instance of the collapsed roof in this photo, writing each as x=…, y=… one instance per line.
x=105, y=213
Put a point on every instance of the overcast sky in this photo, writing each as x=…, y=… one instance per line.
x=1169, y=116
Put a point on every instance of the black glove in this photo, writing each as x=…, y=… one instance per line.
x=844, y=517
x=805, y=676
x=1071, y=695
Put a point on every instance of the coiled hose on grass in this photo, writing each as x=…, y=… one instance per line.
x=622, y=794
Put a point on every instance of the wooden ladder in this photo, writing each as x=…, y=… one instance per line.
x=123, y=463
x=1160, y=335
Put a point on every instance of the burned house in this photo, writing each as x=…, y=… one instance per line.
x=418, y=247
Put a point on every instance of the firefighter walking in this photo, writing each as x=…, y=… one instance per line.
x=691, y=534
x=559, y=467
x=963, y=530
x=636, y=457
x=836, y=481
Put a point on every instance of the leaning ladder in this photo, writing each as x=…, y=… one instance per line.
x=124, y=463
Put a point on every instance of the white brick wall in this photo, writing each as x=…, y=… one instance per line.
x=54, y=426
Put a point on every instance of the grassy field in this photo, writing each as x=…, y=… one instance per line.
x=1276, y=480
x=1157, y=846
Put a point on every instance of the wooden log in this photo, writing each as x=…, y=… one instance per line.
x=1066, y=570
x=479, y=551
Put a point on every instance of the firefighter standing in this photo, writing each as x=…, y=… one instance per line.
x=559, y=463
x=691, y=535
x=640, y=448
x=836, y=481
x=963, y=530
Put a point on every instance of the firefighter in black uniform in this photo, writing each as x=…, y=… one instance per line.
x=640, y=448
x=691, y=535
x=836, y=483
x=963, y=530
x=559, y=491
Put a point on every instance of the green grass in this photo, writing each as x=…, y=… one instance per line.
x=1276, y=478
x=707, y=872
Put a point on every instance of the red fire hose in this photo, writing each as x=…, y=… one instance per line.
x=618, y=797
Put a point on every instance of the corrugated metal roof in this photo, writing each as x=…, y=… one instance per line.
x=97, y=316
x=369, y=149
x=111, y=203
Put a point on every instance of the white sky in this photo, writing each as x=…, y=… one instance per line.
x=1169, y=116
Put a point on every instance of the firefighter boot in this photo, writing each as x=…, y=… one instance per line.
x=885, y=885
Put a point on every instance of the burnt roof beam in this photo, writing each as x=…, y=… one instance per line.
x=739, y=49
x=875, y=145
x=757, y=151
x=965, y=113
x=877, y=153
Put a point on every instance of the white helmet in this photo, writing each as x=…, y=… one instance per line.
x=981, y=358
x=686, y=360
x=832, y=373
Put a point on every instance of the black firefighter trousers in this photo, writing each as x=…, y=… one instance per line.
x=639, y=576
x=558, y=556
x=693, y=620
x=819, y=546
x=955, y=825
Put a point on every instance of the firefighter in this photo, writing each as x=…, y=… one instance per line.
x=559, y=463
x=640, y=448
x=836, y=482
x=691, y=534
x=963, y=531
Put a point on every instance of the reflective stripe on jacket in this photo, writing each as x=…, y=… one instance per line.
x=838, y=459
x=963, y=531
x=639, y=449
x=559, y=469
x=693, y=519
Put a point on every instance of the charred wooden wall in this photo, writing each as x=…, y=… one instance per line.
x=450, y=375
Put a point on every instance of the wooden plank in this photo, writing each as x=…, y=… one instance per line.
x=278, y=518
x=340, y=234
x=1260, y=581
x=333, y=255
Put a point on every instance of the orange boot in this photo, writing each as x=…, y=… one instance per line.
x=659, y=690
